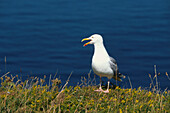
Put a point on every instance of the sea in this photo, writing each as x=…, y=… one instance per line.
x=43, y=37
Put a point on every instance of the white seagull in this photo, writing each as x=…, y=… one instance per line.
x=102, y=64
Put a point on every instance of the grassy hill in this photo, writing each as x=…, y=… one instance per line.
x=36, y=96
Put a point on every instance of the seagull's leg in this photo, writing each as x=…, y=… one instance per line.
x=100, y=83
x=100, y=87
x=107, y=91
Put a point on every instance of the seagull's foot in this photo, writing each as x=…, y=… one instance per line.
x=106, y=91
x=99, y=90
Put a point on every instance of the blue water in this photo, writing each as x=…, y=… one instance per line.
x=43, y=37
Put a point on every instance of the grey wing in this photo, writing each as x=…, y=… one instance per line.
x=113, y=60
x=113, y=65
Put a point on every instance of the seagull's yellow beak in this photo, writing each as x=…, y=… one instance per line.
x=87, y=42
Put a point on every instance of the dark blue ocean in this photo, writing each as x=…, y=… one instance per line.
x=42, y=37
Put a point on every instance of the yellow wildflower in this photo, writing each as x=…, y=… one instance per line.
x=77, y=87
x=141, y=106
x=67, y=90
x=92, y=100
x=48, y=93
x=32, y=106
x=3, y=96
x=150, y=105
x=149, y=94
x=117, y=87
x=123, y=101
x=43, y=91
x=120, y=111
x=108, y=107
x=38, y=101
x=137, y=101
x=114, y=99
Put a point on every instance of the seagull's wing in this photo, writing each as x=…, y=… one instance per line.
x=114, y=67
x=113, y=60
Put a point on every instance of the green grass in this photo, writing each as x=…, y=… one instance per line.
x=22, y=97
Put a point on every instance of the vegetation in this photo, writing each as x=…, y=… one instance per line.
x=36, y=96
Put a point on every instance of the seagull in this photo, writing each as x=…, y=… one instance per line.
x=102, y=64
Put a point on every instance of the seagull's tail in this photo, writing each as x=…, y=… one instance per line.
x=119, y=76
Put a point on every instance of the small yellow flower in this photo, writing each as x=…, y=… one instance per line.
x=68, y=105
x=137, y=101
x=123, y=101
x=77, y=87
x=32, y=106
x=43, y=91
x=117, y=87
x=108, y=107
x=100, y=99
x=150, y=105
x=48, y=93
x=165, y=92
x=141, y=106
x=114, y=99
x=67, y=90
x=92, y=100
x=120, y=111
x=68, y=97
x=149, y=94
x=3, y=96
x=38, y=101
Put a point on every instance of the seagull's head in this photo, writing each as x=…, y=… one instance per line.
x=94, y=39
